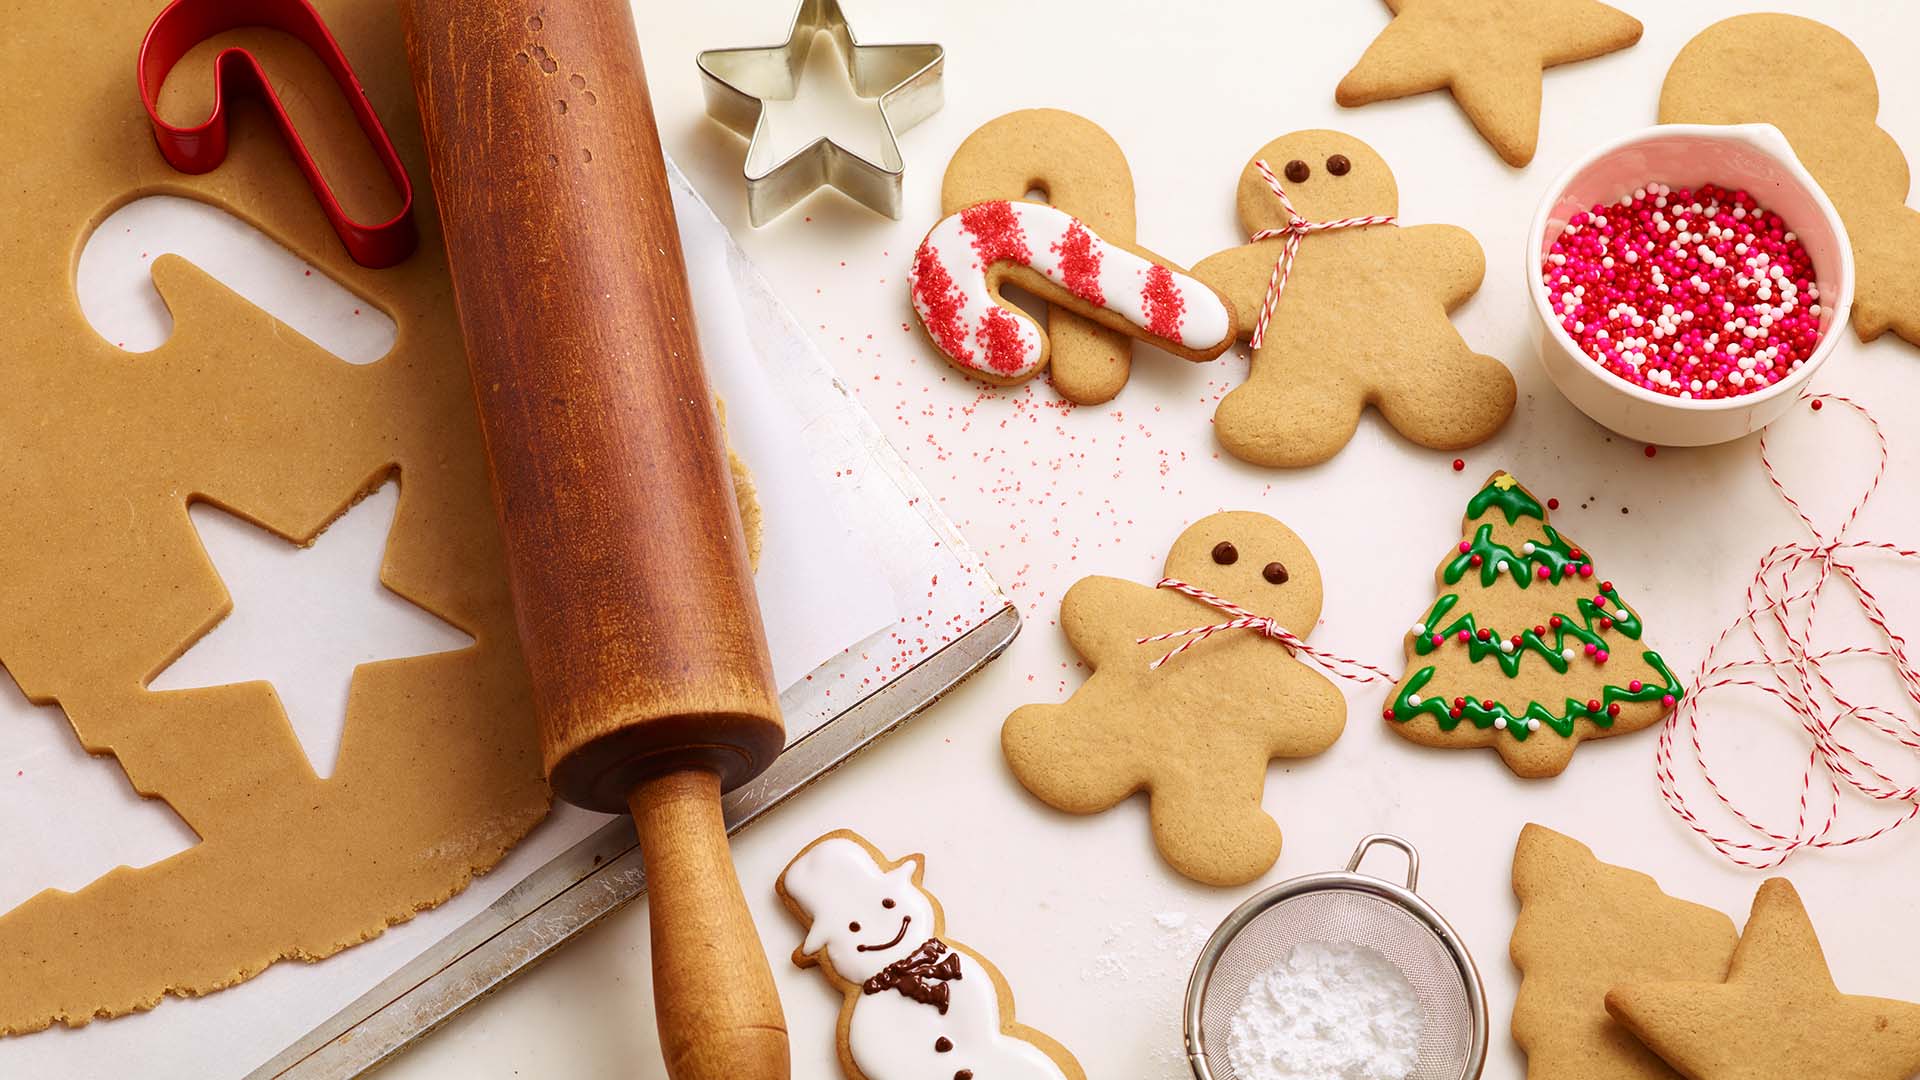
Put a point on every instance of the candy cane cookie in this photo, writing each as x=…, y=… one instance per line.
x=961, y=265
x=1079, y=168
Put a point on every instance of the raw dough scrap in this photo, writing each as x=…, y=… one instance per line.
x=106, y=583
x=1196, y=734
x=1363, y=320
x=1813, y=84
x=1489, y=54
x=1585, y=927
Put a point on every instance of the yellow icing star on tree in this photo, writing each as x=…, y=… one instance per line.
x=1490, y=54
x=1778, y=1013
x=1504, y=482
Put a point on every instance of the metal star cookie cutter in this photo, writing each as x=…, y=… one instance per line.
x=905, y=79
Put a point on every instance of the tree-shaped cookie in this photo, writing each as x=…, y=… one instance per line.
x=1360, y=316
x=1813, y=84
x=1527, y=650
x=1196, y=732
x=1585, y=927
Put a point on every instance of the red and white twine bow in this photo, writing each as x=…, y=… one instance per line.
x=1294, y=231
x=1784, y=596
x=1247, y=620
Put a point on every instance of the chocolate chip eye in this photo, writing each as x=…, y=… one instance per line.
x=1276, y=573
x=887, y=903
x=1298, y=171
x=853, y=927
x=1225, y=553
x=1338, y=165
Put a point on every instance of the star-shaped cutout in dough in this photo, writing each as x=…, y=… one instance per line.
x=1777, y=1015
x=305, y=619
x=1490, y=54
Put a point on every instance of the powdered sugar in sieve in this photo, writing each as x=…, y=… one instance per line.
x=1327, y=929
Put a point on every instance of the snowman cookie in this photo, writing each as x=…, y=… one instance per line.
x=1196, y=731
x=1349, y=310
x=917, y=1005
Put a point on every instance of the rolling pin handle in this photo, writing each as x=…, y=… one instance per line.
x=718, y=1011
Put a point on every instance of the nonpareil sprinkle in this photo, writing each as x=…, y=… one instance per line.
x=1693, y=294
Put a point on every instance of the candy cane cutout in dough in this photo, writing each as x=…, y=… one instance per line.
x=1076, y=166
x=961, y=265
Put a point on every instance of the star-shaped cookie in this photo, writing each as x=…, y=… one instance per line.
x=1489, y=53
x=1777, y=1015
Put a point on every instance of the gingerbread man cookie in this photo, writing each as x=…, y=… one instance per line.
x=1352, y=311
x=917, y=1005
x=1195, y=732
x=1813, y=84
x=1490, y=54
x=1080, y=169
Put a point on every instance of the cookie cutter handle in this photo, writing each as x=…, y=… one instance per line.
x=1390, y=840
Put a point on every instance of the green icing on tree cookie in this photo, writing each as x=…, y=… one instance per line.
x=1577, y=644
x=1487, y=713
x=1555, y=554
x=1482, y=642
x=1502, y=491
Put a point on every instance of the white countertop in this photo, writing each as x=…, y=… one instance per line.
x=1079, y=912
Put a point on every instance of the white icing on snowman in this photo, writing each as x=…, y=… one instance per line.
x=865, y=920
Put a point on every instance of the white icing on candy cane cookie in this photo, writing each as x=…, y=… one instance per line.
x=916, y=1007
x=979, y=333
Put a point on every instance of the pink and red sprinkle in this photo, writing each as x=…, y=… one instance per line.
x=1692, y=294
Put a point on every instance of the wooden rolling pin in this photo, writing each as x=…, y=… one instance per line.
x=624, y=547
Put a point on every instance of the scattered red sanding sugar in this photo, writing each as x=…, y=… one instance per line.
x=1693, y=294
x=1459, y=464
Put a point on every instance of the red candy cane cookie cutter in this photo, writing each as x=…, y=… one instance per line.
x=201, y=148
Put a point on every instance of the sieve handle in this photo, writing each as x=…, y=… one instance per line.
x=1413, y=857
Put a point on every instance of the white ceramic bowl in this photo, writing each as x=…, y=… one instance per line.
x=1755, y=157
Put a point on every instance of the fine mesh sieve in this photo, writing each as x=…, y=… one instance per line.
x=1344, y=908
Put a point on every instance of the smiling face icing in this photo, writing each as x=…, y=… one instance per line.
x=863, y=918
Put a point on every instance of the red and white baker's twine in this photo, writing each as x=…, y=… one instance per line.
x=1796, y=677
x=1247, y=620
x=1295, y=230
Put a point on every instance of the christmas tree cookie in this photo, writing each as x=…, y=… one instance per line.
x=1527, y=649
